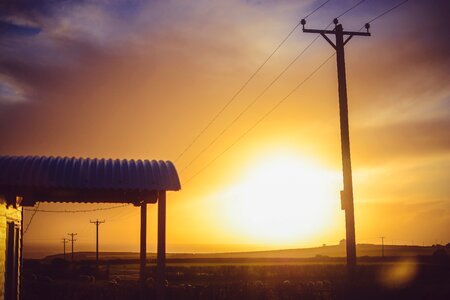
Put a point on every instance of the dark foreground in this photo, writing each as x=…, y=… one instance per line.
x=402, y=278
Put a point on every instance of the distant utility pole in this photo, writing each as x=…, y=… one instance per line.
x=347, y=193
x=97, y=223
x=65, y=241
x=72, y=240
x=382, y=245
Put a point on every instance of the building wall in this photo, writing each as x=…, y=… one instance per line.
x=7, y=214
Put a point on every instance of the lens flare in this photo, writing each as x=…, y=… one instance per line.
x=398, y=274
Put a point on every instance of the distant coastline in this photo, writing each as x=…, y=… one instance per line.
x=332, y=251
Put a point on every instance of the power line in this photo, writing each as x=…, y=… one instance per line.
x=32, y=216
x=204, y=149
x=74, y=211
x=260, y=119
x=249, y=105
x=351, y=8
x=384, y=13
x=319, y=7
x=387, y=11
x=231, y=100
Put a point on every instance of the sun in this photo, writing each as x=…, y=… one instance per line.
x=284, y=198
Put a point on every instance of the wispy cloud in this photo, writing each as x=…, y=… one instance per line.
x=10, y=92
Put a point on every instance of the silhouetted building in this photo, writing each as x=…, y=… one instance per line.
x=24, y=181
x=10, y=246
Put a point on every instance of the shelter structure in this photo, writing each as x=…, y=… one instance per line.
x=26, y=180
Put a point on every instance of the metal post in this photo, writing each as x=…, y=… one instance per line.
x=96, y=244
x=143, y=254
x=347, y=193
x=161, y=255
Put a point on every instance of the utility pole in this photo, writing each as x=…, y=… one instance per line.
x=382, y=245
x=65, y=241
x=72, y=240
x=347, y=193
x=97, y=223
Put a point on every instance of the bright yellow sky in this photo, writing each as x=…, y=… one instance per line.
x=141, y=81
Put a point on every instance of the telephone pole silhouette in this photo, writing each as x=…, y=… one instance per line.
x=347, y=193
x=382, y=245
x=72, y=240
x=65, y=241
x=97, y=223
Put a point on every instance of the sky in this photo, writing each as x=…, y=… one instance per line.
x=142, y=79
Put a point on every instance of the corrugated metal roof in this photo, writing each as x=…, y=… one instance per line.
x=87, y=173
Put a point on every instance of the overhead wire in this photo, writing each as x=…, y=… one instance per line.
x=248, y=106
x=351, y=8
x=204, y=149
x=32, y=217
x=387, y=11
x=36, y=210
x=260, y=120
x=233, y=98
x=316, y=9
x=75, y=211
x=289, y=94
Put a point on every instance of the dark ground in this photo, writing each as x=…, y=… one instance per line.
x=319, y=278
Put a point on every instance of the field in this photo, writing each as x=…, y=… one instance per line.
x=414, y=277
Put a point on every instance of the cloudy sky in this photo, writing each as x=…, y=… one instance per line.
x=141, y=79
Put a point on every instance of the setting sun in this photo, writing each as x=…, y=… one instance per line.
x=283, y=199
x=243, y=149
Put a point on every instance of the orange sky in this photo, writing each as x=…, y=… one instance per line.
x=140, y=80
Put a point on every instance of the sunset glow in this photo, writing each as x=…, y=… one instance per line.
x=283, y=198
x=260, y=167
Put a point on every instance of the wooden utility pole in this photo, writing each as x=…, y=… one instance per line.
x=97, y=223
x=347, y=193
x=72, y=240
x=65, y=241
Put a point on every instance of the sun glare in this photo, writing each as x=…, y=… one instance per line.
x=284, y=199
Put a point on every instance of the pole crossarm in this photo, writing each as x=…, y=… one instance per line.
x=325, y=32
x=333, y=32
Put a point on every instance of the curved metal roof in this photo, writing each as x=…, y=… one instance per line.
x=87, y=174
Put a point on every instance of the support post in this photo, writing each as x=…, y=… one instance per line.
x=347, y=193
x=143, y=253
x=161, y=255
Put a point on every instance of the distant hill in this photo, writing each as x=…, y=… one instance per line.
x=337, y=251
